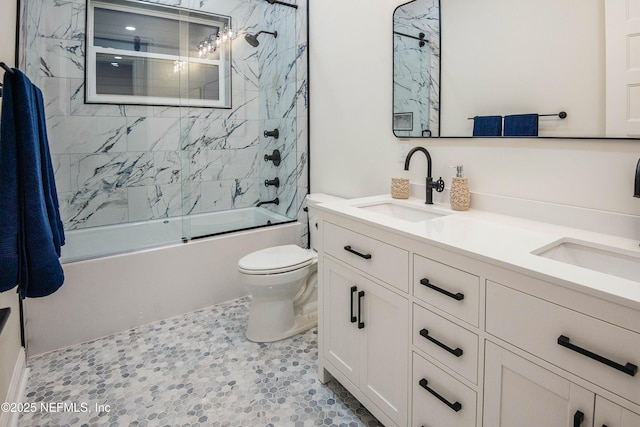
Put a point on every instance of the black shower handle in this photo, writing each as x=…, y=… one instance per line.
x=274, y=157
x=274, y=133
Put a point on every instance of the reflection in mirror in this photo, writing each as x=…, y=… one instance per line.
x=524, y=57
x=416, y=69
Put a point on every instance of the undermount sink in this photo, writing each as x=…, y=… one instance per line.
x=404, y=212
x=604, y=259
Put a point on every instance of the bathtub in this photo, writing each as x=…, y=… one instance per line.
x=109, y=294
x=95, y=242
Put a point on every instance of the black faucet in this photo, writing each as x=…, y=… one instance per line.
x=636, y=187
x=431, y=184
x=275, y=201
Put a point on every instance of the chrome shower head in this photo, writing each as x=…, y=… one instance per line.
x=252, y=39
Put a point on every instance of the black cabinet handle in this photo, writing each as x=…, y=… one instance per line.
x=578, y=418
x=457, y=297
x=629, y=368
x=360, y=254
x=353, y=318
x=457, y=352
x=455, y=406
x=360, y=322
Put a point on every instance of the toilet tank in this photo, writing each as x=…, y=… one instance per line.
x=312, y=201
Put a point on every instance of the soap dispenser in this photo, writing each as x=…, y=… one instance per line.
x=459, y=195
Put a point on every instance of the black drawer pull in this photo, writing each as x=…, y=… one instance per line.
x=455, y=406
x=353, y=318
x=578, y=418
x=456, y=352
x=629, y=368
x=360, y=254
x=360, y=322
x=457, y=297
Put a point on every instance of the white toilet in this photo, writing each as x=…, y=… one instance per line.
x=282, y=281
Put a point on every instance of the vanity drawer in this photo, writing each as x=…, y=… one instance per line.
x=447, y=288
x=381, y=260
x=578, y=343
x=446, y=342
x=444, y=402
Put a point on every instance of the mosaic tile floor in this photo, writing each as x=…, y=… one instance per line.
x=194, y=370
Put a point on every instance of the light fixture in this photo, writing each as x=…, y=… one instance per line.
x=115, y=64
x=210, y=44
x=130, y=28
x=117, y=57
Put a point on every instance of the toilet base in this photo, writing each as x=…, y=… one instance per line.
x=289, y=322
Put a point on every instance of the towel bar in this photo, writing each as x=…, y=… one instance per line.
x=6, y=67
x=561, y=114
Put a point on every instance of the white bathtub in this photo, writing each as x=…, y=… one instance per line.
x=110, y=294
x=95, y=242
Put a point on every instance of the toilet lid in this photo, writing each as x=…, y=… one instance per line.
x=277, y=259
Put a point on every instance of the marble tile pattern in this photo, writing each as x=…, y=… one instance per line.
x=415, y=90
x=197, y=369
x=122, y=163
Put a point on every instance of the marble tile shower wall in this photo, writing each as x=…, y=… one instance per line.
x=122, y=163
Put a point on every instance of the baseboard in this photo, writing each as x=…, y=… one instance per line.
x=16, y=392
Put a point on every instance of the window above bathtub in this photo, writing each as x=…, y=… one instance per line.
x=142, y=53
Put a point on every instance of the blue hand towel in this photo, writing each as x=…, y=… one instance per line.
x=521, y=125
x=487, y=126
x=9, y=213
x=31, y=232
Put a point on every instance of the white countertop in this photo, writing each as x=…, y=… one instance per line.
x=505, y=241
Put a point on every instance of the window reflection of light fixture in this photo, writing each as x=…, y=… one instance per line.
x=130, y=28
x=179, y=66
x=211, y=43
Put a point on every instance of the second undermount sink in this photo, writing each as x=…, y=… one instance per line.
x=404, y=212
x=609, y=260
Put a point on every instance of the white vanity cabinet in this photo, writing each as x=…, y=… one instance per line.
x=365, y=324
x=519, y=393
x=424, y=333
x=608, y=414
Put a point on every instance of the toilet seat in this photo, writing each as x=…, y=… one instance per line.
x=277, y=259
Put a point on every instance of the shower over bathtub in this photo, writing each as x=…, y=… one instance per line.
x=128, y=237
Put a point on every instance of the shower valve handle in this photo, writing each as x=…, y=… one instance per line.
x=274, y=133
x=274, y=157
x=275, y=182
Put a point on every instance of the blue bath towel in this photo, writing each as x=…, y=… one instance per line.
x=521, y=125
x=31, y=231
x=487, y=126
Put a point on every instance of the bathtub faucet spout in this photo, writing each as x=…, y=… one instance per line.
x=275, y=201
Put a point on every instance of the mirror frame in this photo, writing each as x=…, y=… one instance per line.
x=440, y=98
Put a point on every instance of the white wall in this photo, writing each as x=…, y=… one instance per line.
x=520, y=57
x=10, y=347
x=354, y=153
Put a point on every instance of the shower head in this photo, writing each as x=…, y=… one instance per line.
x=252, y=39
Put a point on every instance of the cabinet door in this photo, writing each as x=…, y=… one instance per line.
x=608, y=414
x=384, y=364
x=519, y=393
x=342, y=338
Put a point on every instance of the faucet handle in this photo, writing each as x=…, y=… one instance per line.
x=439, y=185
